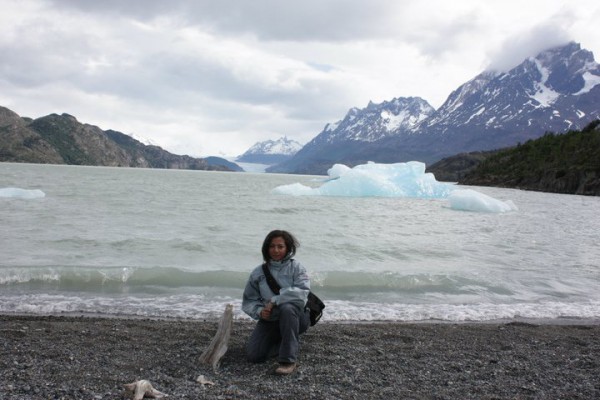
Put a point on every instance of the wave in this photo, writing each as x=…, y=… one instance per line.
x=358, y=282
x=90, y=278
x=349, y=296
x=335, y=283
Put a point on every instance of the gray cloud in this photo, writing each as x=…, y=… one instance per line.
x=312, y=20
x=216, y=76
x=517, y=48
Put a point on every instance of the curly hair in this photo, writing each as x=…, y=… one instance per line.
x=291, y=243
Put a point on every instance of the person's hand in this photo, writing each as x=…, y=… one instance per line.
x=266, y=312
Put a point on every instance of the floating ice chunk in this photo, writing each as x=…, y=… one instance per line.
x=396, y=180
x=470, y=200
x=296, y=189
x=21, y=193
x=369, y=180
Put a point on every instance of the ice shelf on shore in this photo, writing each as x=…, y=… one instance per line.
x=19, y=193
x=396, y=180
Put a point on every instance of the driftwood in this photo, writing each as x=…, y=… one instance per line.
x=141, y=389
x=218, y=346
x=203, y=381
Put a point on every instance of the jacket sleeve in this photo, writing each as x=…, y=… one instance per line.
x=296, y=294
x=252, y=302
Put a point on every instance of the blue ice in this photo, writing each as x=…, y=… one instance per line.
x=395, y=180
x=471, y=200
x=18, y=193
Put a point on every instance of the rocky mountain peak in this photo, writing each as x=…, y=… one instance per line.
x=377, y=121
x=554, y=91
x=540, y=85
x=271, y=151
x=283, y=146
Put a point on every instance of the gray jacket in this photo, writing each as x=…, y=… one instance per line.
x=292, y=279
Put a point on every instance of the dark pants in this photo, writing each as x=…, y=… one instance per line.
x=280, y=337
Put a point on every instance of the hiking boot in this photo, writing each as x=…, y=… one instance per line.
x=285, y=368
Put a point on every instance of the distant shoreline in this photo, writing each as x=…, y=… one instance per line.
x=89, y=357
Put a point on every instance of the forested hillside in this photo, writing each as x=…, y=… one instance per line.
x=563, y=163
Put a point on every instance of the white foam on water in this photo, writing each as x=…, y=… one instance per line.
x=202, y=307
x=344, y=311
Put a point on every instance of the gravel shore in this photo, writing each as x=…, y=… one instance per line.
x=91, y=358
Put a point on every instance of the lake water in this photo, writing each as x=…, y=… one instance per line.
x=171, y=243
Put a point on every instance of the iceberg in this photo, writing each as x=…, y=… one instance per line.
x=395, y=180
x=374, y=180
x=18, y=193
x=471, y=200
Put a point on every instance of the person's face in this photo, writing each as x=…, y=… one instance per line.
x=277, y=249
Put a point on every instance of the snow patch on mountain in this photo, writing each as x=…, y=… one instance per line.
x=590, y=80
x=544, y=95
x=464, y=93
x=332, y=127
x=478, y=112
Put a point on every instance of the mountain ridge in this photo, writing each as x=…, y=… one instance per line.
x=61, y=139
x=354, y=133
x=556, y=90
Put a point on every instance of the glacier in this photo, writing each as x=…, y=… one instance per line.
x=396, y=180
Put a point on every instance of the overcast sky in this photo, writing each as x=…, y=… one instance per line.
x=214, y=77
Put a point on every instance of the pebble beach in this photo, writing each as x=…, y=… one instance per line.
x=81, y=357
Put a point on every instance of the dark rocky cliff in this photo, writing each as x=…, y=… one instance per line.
x=18, y=143
x=61, y=139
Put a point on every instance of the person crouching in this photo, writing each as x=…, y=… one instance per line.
x=282, y=317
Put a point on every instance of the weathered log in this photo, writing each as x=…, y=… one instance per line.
x=218, y=346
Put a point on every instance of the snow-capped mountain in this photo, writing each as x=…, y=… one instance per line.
x=358, y=130
x=271, y=151
x=557, y=90
x=378, y=121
